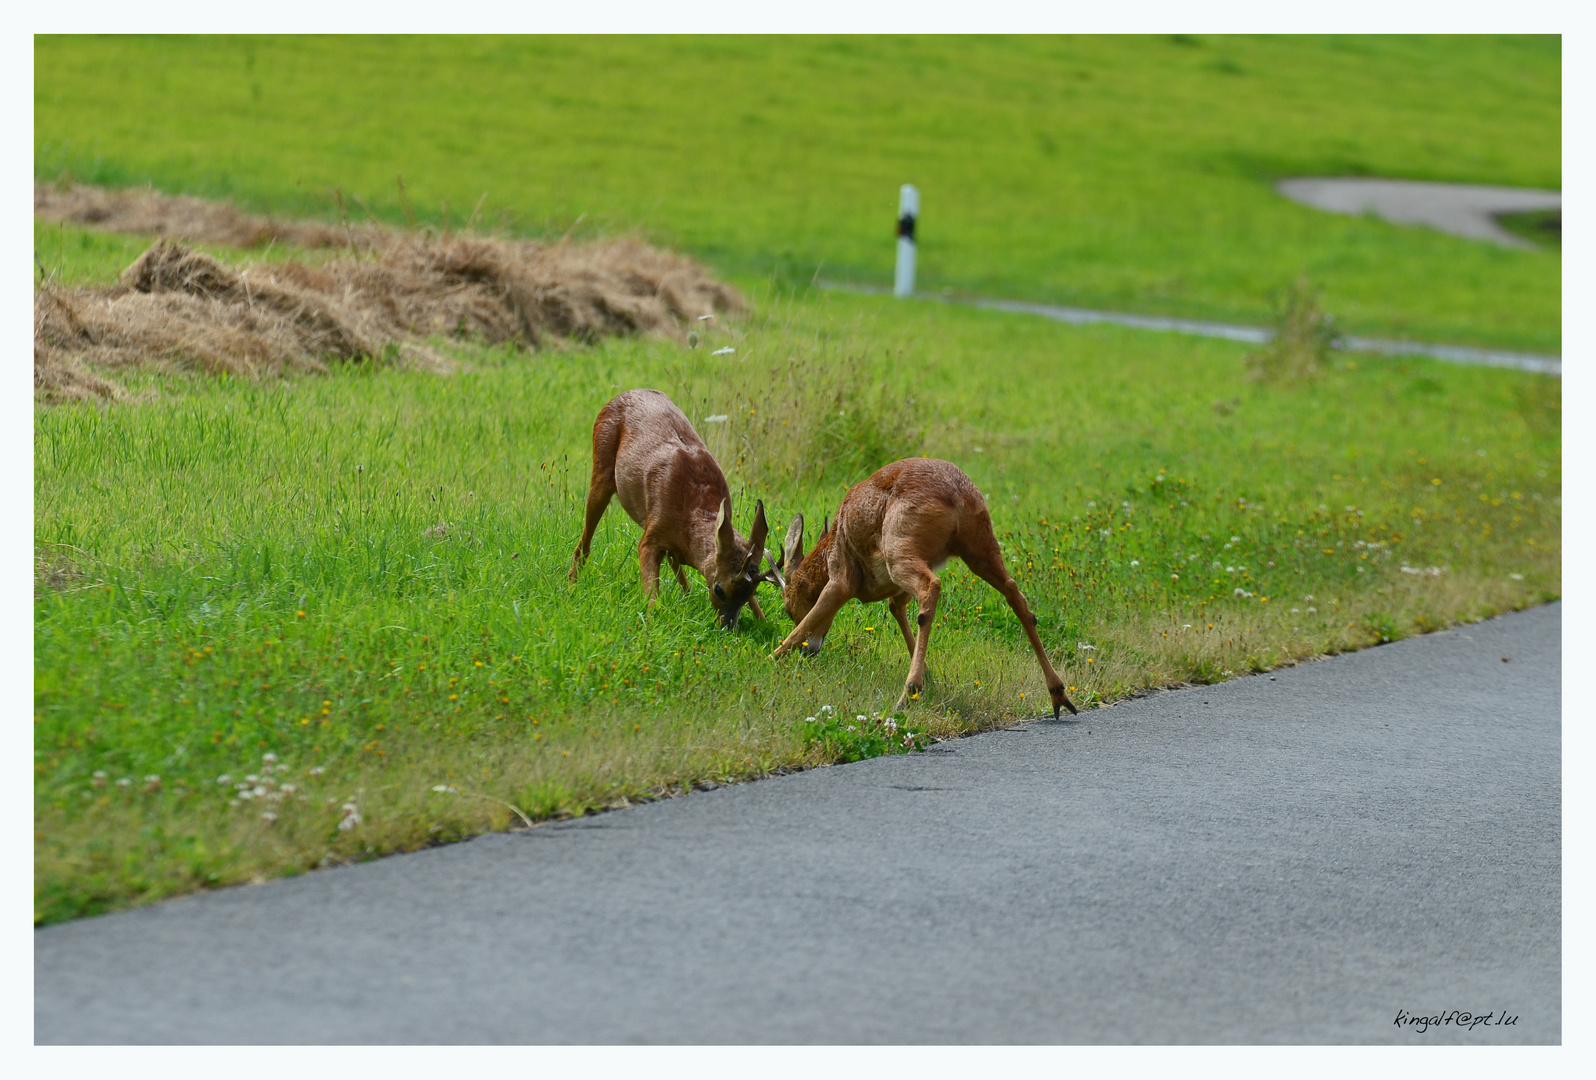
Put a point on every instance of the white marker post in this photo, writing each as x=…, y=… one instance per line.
x=908, y=214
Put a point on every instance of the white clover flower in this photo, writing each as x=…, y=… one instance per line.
x=233, y=802
x=1135, y=562
x=1313, y=611
x=246, y=793
x=269, y=759
x=252, y=778
x=349, y=822
x=1235, y=539
x=225, y=778
x=288, y=789
x=124, y=782
x=809, y=719
x=861, y=717
x=315, y=771
x=268, y=817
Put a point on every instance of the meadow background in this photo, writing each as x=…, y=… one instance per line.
x=288, y=622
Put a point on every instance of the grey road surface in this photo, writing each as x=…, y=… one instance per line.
x=1461, y=209
x=1454, y=354
x=1299, y=859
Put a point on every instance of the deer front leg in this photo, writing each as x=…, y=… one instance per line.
x=649, y=558
x=681, y=578
x=900, y=610
x=811, y=633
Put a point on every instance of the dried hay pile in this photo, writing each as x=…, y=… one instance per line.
x=178, y=309
x=184, y=217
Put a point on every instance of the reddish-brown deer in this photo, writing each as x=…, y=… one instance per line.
x=646, y=451
x=893, y=533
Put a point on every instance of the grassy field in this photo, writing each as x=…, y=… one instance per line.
x=362, y=575
x=1129, y=173
x=290, y=622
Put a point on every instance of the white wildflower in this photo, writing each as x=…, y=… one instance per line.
x=1135, y=562
x=270, y=759
x=225, y=778
x=268, y=817
x=727, y=351
x=809, y=719
x=124, y=782
x=315, y=771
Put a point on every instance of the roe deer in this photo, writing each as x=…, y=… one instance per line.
x=893, y=532
x=646, y=451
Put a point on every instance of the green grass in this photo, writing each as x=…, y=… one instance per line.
x=362, y=575
x=235, y=569
x=1129, y=173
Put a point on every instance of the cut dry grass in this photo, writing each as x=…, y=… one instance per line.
x=146, y=211
x=177, y=309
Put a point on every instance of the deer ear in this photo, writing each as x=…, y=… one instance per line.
x=725, y=538
x=792, y=552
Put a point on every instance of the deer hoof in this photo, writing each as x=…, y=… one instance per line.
x=812, y=646
x=1060, y=700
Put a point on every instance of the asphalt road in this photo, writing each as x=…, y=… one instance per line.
x=1460, y=209
x=1293, y=859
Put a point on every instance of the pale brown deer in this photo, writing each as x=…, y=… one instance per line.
x=646, y=451
x=893, y=533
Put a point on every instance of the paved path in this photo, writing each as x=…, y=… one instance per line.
x=1456, y=354
x=1460, y=209
x=1269, y=860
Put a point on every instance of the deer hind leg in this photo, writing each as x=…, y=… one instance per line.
x=913, y=575
x=899, y=606
x=984, y=558
x=601, y=487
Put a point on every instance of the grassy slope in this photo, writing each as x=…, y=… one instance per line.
x=1130, y=173
x=181, y=538
x=232, y=570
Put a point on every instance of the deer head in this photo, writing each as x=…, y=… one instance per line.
x=805, y=575
x=737, y=564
